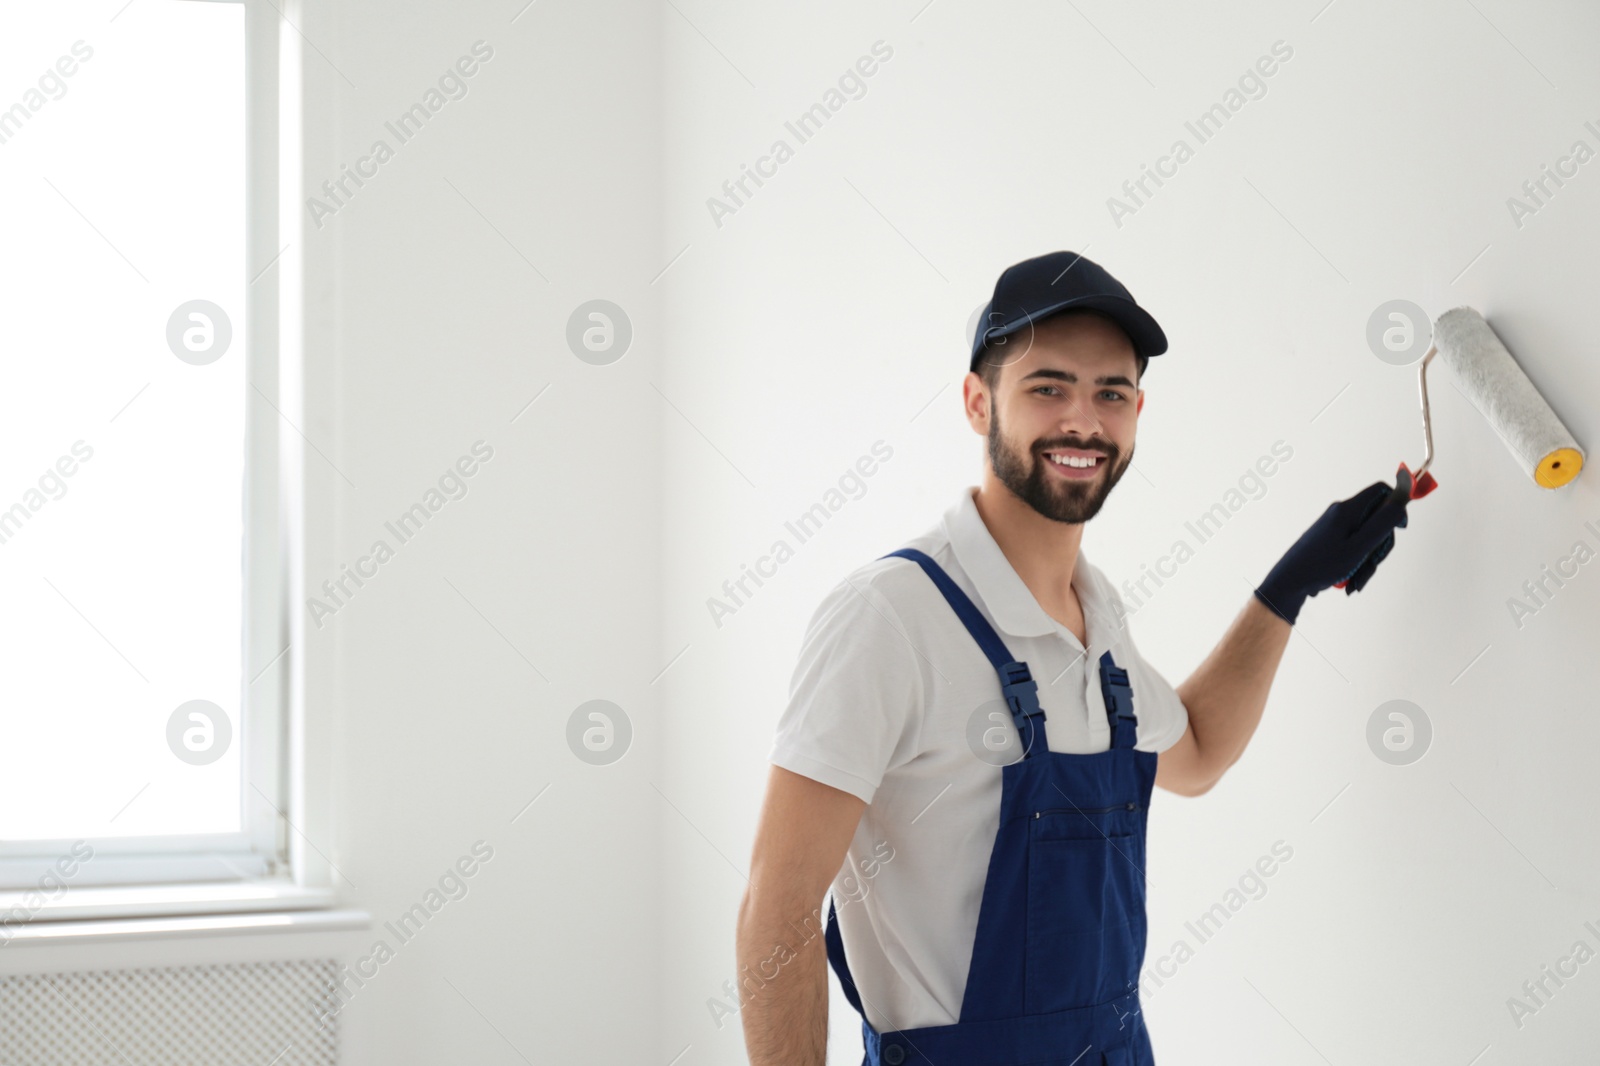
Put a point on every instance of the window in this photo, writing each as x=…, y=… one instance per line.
x=141, y=556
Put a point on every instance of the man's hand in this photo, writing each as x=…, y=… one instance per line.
x=1345, y=545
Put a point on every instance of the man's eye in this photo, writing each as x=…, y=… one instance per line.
x=1115, y=393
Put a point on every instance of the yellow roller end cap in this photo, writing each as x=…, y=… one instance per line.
x=1558, y=468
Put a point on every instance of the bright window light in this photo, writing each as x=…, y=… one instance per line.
x=122, y=419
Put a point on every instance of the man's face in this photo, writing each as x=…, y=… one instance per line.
x=1066, y=393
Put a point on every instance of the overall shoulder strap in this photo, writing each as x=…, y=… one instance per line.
x=1118, y=695
x=1017, y=685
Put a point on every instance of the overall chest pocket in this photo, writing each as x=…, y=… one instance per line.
x=1086, y=907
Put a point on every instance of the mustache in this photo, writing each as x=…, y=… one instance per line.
x=1088, y=446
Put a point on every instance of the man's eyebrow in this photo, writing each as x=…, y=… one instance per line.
x=1067, y=375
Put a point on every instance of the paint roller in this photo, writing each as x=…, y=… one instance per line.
x=1493, y=383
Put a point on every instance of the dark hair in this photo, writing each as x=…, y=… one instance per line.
x=989, y=369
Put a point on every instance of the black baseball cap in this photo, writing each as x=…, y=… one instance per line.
x=1037, y=288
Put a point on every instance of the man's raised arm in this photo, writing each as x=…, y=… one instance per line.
x=1225, y=697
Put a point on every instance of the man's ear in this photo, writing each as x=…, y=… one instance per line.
x=1138, y=404
x=975, y=402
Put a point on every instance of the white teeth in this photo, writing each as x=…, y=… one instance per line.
x=1072, y=460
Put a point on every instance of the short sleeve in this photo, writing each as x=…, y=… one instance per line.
x=855, y=700
x=1162, y=716
x=1169, y=718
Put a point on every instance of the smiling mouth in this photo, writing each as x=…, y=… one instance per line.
x=1075, y=463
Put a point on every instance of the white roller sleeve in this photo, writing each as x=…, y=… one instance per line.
x=1499, y=389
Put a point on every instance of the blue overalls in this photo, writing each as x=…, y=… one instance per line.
x=1054, y=977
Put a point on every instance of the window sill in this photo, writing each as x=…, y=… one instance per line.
x=232, y=899
x=111, y=930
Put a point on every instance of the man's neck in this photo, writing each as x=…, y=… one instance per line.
x=1043, y=552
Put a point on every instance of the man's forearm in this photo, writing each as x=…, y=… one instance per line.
x=783, y=983
x=1228, y=691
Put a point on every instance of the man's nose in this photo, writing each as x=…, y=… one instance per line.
x=1078, y=418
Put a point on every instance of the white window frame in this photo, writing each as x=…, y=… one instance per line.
x=267, y=865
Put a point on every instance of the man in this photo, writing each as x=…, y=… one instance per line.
x=972, y=737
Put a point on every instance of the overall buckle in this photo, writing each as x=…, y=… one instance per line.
x=1118, y=693
x=1021, y=693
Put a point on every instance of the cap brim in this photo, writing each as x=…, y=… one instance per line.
x=1143, y=330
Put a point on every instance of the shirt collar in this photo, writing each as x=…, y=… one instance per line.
x=1011, y=604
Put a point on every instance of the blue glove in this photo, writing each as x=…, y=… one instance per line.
x=1344, y=546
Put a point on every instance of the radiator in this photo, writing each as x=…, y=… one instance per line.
x=264, y=1014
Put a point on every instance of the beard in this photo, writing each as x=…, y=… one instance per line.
x=1055, y=497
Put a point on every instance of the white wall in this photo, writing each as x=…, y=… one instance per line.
x=827, y=313
x=450, y=676
x=831, y=308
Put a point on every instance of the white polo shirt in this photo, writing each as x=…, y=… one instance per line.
x=892, y=701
